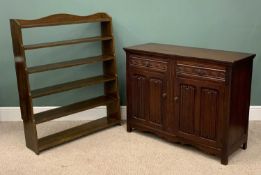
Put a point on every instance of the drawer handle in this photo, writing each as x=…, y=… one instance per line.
x=176, y=99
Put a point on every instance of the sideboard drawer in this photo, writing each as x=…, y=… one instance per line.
x=149, y=63
x=197, y=70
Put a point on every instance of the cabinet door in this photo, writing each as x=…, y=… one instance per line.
x=147, y=97
x=199, y=110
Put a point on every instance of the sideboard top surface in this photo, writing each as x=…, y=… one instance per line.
x=209, y=54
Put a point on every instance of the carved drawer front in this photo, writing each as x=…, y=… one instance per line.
x=148, y=63
x=203, y=71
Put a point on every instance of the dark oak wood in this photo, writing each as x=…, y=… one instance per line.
x=71, y=63
x=110, y=68
x=71, y=85
x=189, y=95
x=109, y=78
x=149, y=97
x=71, y=109
x=63, y=19
x=26, y=105
x=191, y=52
x=67, y=42
x=75, y=133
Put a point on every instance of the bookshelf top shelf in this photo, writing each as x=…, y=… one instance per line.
x=62, y=19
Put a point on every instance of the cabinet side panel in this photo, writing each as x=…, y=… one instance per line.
x=240, y=101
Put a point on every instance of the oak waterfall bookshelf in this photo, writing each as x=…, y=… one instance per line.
x=26, y=95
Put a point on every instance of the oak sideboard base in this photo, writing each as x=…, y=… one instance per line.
x=179, y=140
x=194, y=96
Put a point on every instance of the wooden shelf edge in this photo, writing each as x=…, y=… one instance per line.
x=71, y=63
x=66, y=42
x=63, y=19
x=71, y=109
x=75, y=133
x=71, y=85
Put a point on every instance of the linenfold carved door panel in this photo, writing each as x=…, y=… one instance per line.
x=147, y=97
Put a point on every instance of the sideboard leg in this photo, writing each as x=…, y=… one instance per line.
x=244, y=146
x=224, y=159
x=129, y=128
